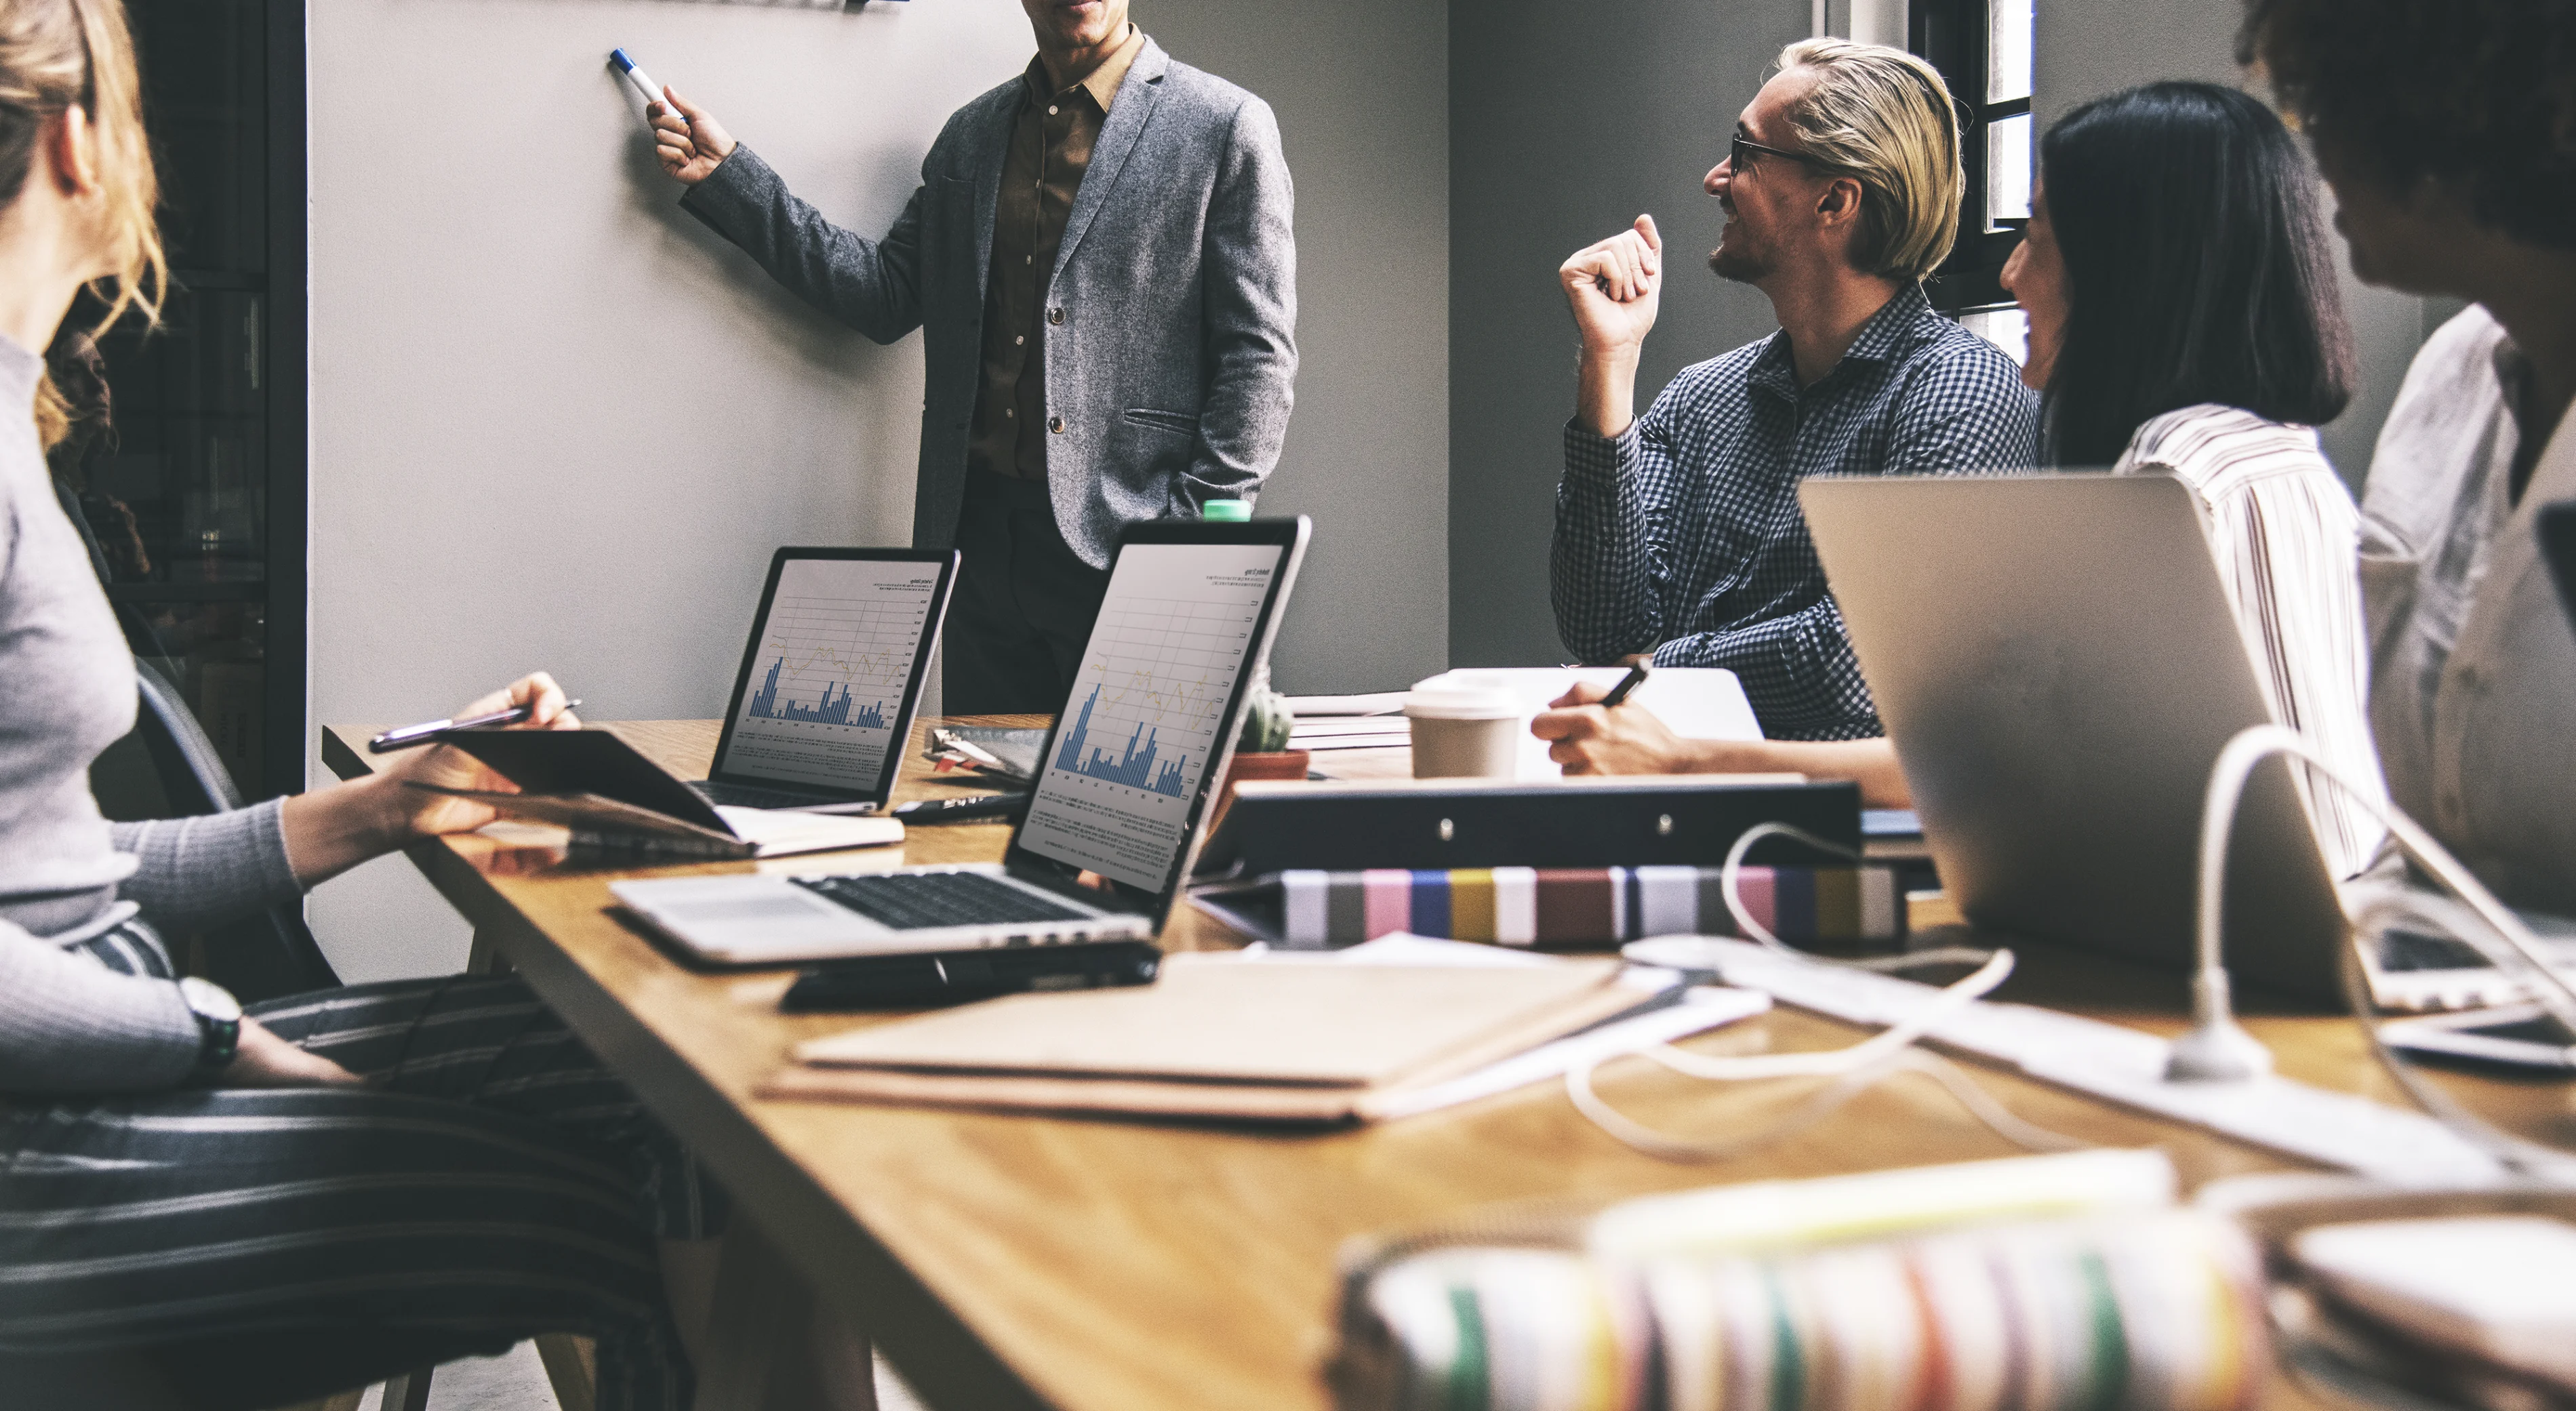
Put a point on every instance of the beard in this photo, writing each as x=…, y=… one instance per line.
x=1736, y=257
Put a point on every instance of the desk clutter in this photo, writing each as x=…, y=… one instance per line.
x=2043, y=1283
x=1388, y=1030
x=1562, y=907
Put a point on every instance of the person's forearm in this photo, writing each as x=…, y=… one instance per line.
x=1869, y=763
x=1605, y=396
x=329, y=831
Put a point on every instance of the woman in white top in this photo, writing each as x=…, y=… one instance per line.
x=2184, y=319
x=2448, y=133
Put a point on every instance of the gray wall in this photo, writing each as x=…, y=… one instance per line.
x=1363, y=100
x=1565, y=123
x=2090, y=47
x=558, y=424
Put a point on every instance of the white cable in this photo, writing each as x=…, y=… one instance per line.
x=1949, y=1001
x=2520, y=951
x=1732, y=870
x=1664, y=1147
x=1854, y=1070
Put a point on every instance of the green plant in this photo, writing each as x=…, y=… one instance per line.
x=1266, y=717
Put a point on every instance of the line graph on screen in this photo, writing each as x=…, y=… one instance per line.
x=1159, y=672
x=837, y=660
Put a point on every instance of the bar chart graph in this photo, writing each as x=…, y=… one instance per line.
x=836, y=652
x=1143, y=719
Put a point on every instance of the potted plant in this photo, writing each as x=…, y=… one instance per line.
x=1261, y=752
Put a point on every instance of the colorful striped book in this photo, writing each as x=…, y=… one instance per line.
x=1565, y=907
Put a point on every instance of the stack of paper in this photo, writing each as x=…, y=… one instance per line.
x=1305, y=1041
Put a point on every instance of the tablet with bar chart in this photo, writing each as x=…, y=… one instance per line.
x=1175, y=632
x=833, y=669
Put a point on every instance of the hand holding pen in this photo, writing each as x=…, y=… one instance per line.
x=1590, y=731
x=428, y=731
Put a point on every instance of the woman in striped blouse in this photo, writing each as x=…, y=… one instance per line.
x=201, y=1207
x=2184, y=318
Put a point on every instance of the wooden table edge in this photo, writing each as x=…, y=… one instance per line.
x=936, y=1353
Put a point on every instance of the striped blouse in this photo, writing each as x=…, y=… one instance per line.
x=2287, y=539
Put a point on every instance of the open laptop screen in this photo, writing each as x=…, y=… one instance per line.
x=833, y=668
x=1123, y=780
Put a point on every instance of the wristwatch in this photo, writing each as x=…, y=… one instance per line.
x=219, y=1020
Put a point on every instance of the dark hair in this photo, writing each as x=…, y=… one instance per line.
x=2472, y=93
x=2197, y=268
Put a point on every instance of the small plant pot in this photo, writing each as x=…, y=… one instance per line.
x=1264, y=764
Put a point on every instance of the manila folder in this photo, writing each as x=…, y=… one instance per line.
x=1212, y=1020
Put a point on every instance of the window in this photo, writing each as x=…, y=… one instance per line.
x=1983, y=49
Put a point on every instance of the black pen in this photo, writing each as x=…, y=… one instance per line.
x=1636, y=676
x=428, y=731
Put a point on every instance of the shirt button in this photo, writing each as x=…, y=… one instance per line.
x=1023, y=338
x=1055, y=315
x=1056, y=425
x=1051, y=110
x=1006, y=411
x=1028, y=259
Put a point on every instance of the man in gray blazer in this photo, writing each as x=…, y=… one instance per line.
x=1100, y=261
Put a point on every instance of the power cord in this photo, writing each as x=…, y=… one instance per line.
x=1853, y=1070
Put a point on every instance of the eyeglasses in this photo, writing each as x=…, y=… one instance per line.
x=1744, y=144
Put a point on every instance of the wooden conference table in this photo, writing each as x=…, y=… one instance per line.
x=1009, y=1261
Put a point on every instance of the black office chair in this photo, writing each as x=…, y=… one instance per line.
x=168, y=768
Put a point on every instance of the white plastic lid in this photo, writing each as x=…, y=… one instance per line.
x=1462, y=703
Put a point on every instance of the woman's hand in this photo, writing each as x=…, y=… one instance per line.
x=418, y=813
x=266, y=1061
x=329, y=831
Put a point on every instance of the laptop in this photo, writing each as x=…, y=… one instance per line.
x=830, y=679
x=2058, y=665
x=2558, y=545
x=1122, y=796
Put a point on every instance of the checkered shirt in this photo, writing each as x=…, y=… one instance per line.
x=1682, y=535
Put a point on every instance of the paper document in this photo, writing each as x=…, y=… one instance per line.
x=1696, y=703
x=1371, y=703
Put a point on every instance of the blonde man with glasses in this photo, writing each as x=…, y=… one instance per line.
x=1678, y=534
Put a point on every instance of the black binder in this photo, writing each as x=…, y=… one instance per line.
x=1448, y=823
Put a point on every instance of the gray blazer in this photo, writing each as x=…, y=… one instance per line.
x=1170, y=337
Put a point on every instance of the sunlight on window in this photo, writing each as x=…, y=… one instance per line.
x=2007, y=170
x=2008, y=45
x=2006, y=328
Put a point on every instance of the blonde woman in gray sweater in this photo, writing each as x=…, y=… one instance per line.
x=200, y=1206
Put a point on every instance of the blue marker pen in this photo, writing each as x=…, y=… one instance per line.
x=635, y=74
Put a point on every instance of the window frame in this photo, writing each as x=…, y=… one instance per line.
x=1954, y=36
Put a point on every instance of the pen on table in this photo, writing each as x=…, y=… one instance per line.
x=1636, y=675
x=427, y=731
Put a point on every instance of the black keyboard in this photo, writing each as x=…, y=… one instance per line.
x=913, y=901
x=745, y=796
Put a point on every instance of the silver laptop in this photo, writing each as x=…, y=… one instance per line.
x=2057, y=663
x=830, y=679
x=1122, y=795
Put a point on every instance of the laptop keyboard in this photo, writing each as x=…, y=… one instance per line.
x=913, y=901
x=745, y=796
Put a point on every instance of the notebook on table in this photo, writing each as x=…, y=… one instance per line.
x=1219, y=1038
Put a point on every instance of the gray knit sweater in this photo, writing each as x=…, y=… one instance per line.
x=67, y=1023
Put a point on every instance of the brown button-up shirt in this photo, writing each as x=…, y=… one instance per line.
x=1050, y=149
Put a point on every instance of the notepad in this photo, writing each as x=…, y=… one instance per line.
x=1219, y=1038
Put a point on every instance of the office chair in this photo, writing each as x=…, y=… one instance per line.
x=168, y=768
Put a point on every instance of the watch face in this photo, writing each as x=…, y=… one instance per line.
x=208, y=1000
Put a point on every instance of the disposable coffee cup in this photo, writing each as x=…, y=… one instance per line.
x=1467, y=732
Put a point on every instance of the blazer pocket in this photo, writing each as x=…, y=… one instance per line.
x=1178, y=423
